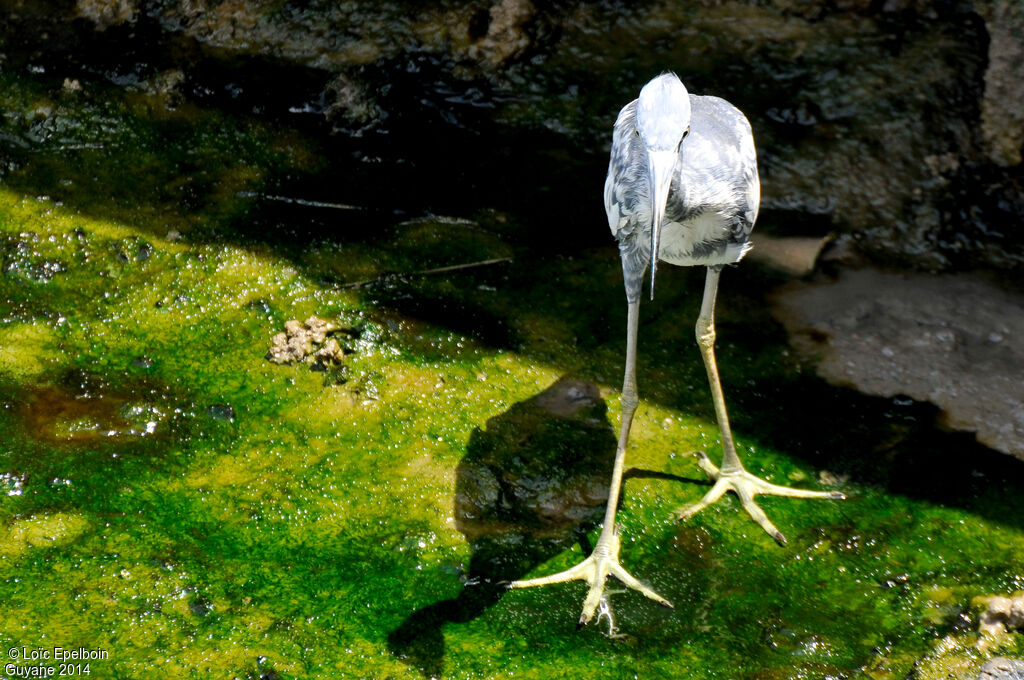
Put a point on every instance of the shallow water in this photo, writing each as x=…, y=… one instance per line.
x=181, y=504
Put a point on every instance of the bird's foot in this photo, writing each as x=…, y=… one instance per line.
x=601, y=563
x=746, y=486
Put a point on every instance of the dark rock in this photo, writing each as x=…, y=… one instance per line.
x=894, y=122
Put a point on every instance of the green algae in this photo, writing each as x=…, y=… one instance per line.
x=177, y=501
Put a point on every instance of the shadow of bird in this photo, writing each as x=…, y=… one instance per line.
x=531, y=484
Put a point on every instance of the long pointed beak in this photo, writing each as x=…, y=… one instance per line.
x=660, y=165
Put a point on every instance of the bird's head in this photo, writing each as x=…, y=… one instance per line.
x=662, y=122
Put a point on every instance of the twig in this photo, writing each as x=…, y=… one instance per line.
x=425, y=272
x=298, y=201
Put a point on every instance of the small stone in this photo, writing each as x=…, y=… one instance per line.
x=280, y=351
x=308, y=341
x=1016, y=617
x=223, y=412
x=1003, y=613
x=328, y=356
x=142, y=362
x=999, y=607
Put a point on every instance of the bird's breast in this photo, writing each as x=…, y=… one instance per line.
x=708, y=238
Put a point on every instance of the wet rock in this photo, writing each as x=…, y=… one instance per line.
x=1002, y=668
x=894, y=121
x=306, y=341
x=956, y=341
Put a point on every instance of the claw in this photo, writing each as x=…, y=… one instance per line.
x=595, y=570
x=747, y=486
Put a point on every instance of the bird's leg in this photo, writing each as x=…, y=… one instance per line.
x=731, y=476
x=604, y=560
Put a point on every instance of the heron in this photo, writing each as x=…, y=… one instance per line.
x=683, y=188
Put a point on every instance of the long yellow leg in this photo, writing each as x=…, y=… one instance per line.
x=604, y=560
x=731, y=476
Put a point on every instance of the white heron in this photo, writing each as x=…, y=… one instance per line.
x=682, y=187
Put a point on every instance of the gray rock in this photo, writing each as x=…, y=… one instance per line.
x=1002, y=668
x=956, y=341
x=1002, y=119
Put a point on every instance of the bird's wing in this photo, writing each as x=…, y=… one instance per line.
x=726, y=160
x=625, y=189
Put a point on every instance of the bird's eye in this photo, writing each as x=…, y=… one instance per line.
x=636, y=131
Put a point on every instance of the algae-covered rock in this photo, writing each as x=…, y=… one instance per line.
x=40, y=532
x=171, y=191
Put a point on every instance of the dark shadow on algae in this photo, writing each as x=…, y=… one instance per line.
x=531, y=484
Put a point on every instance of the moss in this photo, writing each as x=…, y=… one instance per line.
x=25, y=349
x=22, y=535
